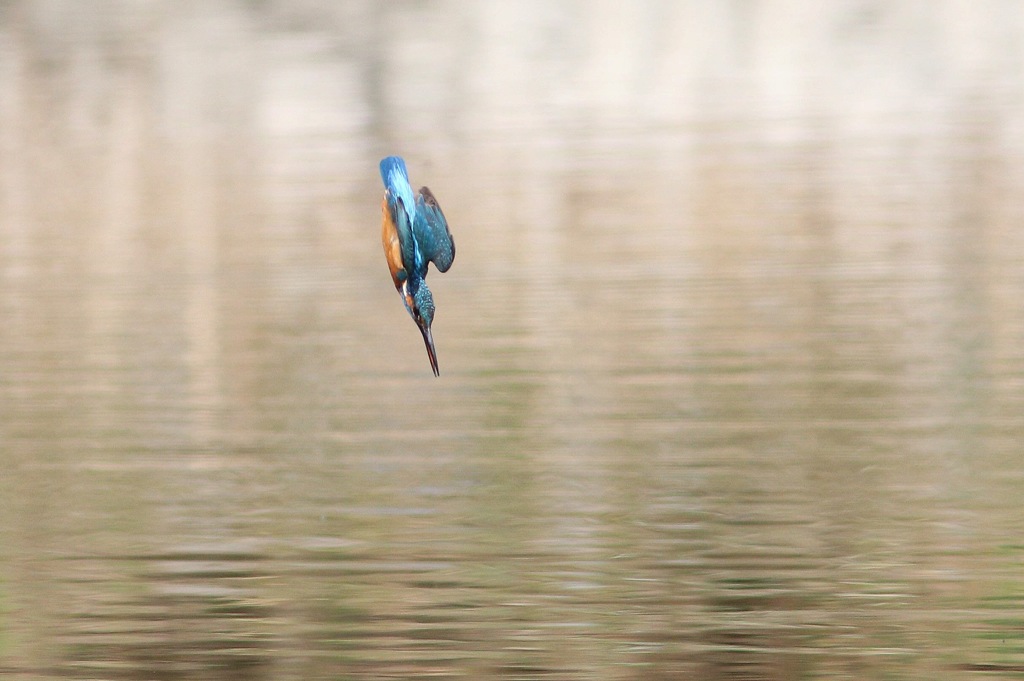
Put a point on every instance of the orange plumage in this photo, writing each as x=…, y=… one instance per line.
x=392, y=247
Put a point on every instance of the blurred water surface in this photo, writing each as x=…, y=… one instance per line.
x=732, y=353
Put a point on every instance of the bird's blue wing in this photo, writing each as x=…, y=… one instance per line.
x=400, y=216
x=431, y=231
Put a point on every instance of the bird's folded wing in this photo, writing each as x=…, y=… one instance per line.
x=400, y=217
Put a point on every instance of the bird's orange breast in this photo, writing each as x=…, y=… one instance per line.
x=392, y=246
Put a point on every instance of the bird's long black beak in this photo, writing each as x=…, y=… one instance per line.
x=428, y=340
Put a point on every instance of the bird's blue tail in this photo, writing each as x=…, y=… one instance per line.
x=396, y=180
x=393, y=166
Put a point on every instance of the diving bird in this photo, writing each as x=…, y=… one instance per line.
x=414, y=233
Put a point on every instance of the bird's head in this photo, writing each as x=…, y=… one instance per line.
x=421, y=306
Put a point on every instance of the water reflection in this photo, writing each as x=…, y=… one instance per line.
x=731, y=367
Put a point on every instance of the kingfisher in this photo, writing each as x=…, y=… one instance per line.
x=414, y=233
